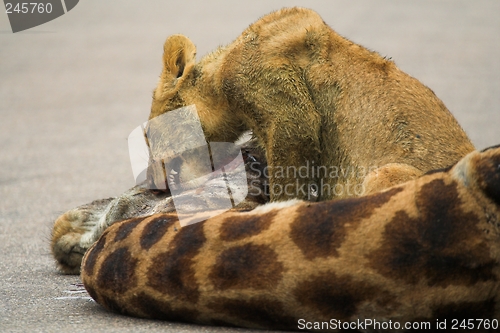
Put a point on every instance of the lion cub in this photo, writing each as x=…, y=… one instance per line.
x=332, y=116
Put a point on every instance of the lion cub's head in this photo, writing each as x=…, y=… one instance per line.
x=184, y=88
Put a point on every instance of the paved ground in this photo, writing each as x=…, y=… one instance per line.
x=71, y=91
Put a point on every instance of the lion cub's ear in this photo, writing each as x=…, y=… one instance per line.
x=178, y=58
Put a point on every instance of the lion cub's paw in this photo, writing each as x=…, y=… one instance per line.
x=70, y=230
x=65, y=243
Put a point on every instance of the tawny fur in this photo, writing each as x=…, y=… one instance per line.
x=312, y=97
x=425, y=250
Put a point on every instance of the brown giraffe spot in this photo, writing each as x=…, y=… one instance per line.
x=93, y=254
x=157, y=309
x=117, y=272
x=155, y=230
x=465, y=310
x=488, y=171
x=240, y=227
x=339, y=296
x=257, y=311
x=442, y=245
x=246, y=266
x=126, y=228
x=110, y=304
x=171, y=272
x=320, y=229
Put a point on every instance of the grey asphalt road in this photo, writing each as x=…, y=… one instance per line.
x=72, y=89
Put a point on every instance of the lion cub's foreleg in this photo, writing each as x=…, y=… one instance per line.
x=288, y=125
x=290, y=173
